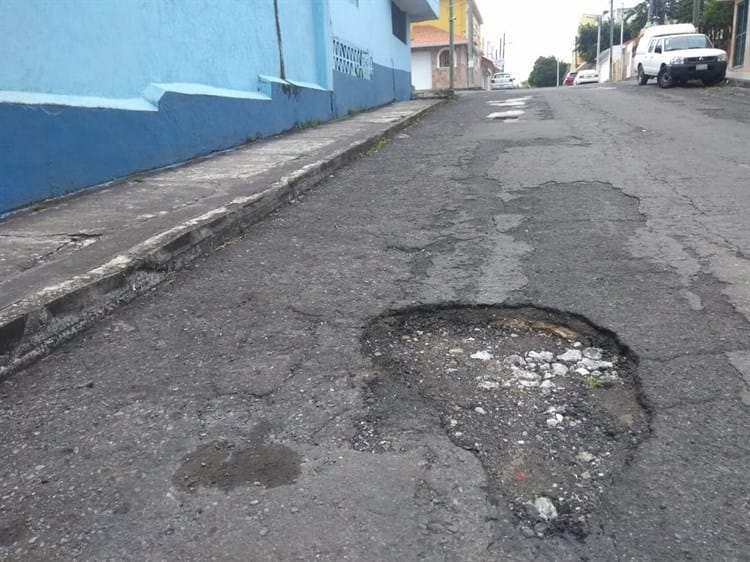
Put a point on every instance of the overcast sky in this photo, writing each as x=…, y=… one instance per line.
x=536, y=28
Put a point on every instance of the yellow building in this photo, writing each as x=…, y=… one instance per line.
x=429, y=44
x=588, y=19
x=467, y=21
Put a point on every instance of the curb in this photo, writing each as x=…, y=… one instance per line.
x=37, y=324
x=738, y=82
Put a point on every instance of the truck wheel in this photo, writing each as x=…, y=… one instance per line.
x=664, y=79
x=642, y=78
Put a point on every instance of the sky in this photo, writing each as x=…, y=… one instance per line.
x=536, y=28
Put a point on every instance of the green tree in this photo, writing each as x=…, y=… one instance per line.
x=543, y=74
x=637, y=17
x=680, y=11
x=716, y=22
x=586, y=40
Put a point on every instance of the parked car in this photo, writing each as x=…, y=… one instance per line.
x=569, y=79
x=674, y=57
x=586, y=77
x=502, y=81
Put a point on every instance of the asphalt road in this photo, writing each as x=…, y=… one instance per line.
x=240, y=412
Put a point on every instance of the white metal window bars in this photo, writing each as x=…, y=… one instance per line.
x=351, y=60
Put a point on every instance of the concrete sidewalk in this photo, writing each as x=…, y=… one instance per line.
x=73, y=260
x=741, y=79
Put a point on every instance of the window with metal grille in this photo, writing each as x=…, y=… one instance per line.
x=351, y=60
x=444, y=58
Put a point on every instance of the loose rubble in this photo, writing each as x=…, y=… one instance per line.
x=551, y=418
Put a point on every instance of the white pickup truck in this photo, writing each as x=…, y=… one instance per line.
x=674, y=54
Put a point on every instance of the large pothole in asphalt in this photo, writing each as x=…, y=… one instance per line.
x=546, y=401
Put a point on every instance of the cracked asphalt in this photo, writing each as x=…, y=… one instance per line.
x=218, y=416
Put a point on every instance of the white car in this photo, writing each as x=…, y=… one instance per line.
x=502, y=81
x=586, y=77
x=677, y=58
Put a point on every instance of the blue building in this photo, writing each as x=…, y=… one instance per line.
x=94, y=90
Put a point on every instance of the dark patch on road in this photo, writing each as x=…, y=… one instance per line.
x=225, y=466
x=543, y=438
x=12, y=530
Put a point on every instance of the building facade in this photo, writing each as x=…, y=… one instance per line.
x=739, y=51
x=94, y=91
x=430, y=49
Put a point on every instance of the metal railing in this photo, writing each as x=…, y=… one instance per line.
x=352, y=60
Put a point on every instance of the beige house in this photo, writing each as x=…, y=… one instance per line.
x=430, y=50
x=739, y=53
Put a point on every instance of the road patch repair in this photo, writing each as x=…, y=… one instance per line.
x=549, y=403
x=510, y=116
x=510, y=102
x=225, y=465
x=512, y=112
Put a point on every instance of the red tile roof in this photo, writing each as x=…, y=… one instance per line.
x=431, y=36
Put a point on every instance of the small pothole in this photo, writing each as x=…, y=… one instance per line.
x=546, y=401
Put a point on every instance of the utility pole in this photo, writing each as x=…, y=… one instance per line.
x=598, y=40
x=611, y=37
x=622, y=40
x=696, y=13
x=450, y=50
x=503, y=52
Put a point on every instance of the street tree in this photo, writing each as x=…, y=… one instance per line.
x=715, y=16
x=586, y=40
x=637, y=18
x=716, y=22
x=544, y=74
x=680, y=11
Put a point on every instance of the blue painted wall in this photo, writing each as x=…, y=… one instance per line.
x=115, y=48
x=368, y=25
x=391, y=80
x=387, y=85
x=57, y=149
x=93, y=90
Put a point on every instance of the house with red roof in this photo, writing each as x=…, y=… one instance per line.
x=430, y=50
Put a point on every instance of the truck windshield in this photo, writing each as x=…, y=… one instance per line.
x=687, y=42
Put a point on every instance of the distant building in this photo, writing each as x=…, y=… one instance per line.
x=430, y=53
x=591, y=19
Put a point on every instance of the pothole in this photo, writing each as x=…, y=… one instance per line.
x=546, y=401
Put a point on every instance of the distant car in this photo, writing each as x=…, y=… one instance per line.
x=569, y=78
x=502, y=81
x=586, y=77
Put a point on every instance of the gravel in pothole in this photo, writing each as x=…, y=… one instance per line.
x=548, y=403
